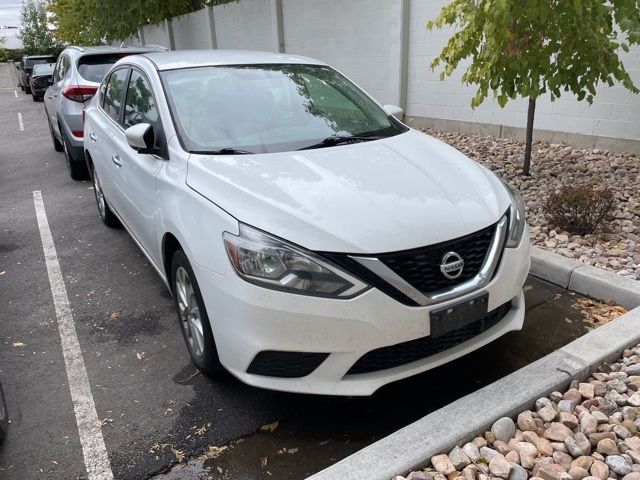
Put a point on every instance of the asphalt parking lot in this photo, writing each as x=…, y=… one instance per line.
x=151, y=403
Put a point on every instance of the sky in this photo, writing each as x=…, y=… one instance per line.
x=9, y=16
x=10, y=12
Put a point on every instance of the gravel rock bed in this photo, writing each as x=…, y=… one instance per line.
x=589, y=432
x=617, y=247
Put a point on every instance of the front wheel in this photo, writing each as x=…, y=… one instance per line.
x=106, y=214
x=193, y=317
x=57, y=145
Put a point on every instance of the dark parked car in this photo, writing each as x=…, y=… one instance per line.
x=26, y=67
x=4, y=418
x=41, y=79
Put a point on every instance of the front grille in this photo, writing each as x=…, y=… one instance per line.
x=286, y=364
x=414, y=350
x=420, y=267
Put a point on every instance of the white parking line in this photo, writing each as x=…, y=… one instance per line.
x=20, y=122
x=94, y=451
x=15, y=94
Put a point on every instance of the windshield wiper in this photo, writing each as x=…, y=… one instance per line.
x=223, y=151
x=335, y=140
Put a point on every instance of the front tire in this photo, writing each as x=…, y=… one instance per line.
x=57, y=145
x=193, y=318
x=106, y=214
x=27, y=90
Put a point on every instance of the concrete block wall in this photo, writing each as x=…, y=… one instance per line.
x=244, y=25
x=384, y=46
x=192, y=31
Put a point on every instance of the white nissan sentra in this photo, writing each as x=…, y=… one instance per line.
x=312, y=242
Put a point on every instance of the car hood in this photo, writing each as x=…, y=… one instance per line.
x=387, y=195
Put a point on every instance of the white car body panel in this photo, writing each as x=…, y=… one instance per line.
x=388, y=195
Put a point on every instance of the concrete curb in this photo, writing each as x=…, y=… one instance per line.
x=438, y=432
x=584, y=279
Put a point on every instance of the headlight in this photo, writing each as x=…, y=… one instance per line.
x=517, y=219
x=274, y=263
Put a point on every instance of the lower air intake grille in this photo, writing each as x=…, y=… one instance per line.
x=285, y=364
x=413, y=350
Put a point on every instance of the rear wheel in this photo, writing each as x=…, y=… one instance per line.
x=106, y=214
x=193, y=317
x=27, y=90
x=4, y=417
x=34, y=96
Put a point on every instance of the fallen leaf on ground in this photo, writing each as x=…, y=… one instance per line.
x=114, y=316
x=291, y=451
x=270, y=427
x=213, y=452
x=140, y=355
x=598, y=313
x=18, y=344
x=200, y=431
x=264, y=461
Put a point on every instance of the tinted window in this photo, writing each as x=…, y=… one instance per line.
x=140, y=106
x=270, y=108
x=94, y=67
x=114, y=93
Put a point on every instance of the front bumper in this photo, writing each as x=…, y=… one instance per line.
x=247, y=319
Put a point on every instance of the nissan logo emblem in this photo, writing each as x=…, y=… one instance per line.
x=452, y=265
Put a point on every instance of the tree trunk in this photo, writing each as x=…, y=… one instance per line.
x=526, y=167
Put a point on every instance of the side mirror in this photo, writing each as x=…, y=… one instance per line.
x=395, y=111
x=141, y=138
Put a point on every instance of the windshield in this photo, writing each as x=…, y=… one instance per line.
x=269, y=108
x=46, y=69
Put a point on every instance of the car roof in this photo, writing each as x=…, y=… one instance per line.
x=82, y=50
x=171, y=60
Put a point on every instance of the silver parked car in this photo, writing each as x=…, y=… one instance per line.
x=76, y=78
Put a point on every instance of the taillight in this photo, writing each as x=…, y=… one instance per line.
x=79, y=93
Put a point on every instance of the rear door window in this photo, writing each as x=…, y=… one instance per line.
x=114, y=93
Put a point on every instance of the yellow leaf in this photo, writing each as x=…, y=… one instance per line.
x=270, y=427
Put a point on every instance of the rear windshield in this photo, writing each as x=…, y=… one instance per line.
x=30, y=62
x=93, y=68
x=45, y=69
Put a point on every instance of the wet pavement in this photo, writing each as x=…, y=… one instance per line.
x=155, y=408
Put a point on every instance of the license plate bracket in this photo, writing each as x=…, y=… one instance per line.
x=459, y=315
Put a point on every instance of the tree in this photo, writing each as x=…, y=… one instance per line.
x=34, y=32
x=92, y=22
x=529, y=48
x=3, y=53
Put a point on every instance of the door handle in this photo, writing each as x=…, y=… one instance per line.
x=116, y=159
x=92, y=136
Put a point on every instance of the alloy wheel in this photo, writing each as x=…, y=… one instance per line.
x=189, y=312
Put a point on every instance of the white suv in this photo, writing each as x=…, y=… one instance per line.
x=313, y=243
